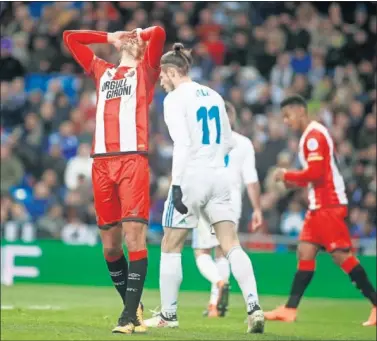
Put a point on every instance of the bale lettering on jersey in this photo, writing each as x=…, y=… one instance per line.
x=116, y=88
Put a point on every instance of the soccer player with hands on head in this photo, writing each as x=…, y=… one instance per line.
x=120, y=171
x=243, y=174
x=324, y=225
x=199, y=127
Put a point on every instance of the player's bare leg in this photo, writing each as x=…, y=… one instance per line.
x=207, y=267
x=170, y=278
x=131, y=319
x=243, y=272
x=351, y=266
x=306, y=254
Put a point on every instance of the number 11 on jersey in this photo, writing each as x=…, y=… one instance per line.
x=203, y=115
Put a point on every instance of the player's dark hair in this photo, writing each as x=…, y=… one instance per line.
x=178, y=57
x=294, y=100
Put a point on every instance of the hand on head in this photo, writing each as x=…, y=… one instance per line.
x=120, y=37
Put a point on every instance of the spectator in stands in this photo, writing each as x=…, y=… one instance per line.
x=51, y=224
x=13, y=103
x=78, y=167
x=282, y=72
x=66, y=139
x=53, y=159
x=292, y=219
x=10, y=67
x=40, y=201
x=12, y=169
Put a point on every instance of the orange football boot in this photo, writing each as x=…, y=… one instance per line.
x=372, y=318
x=281, y=313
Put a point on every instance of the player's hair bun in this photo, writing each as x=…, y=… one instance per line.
x=177, y=47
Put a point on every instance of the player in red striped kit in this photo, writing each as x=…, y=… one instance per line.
x=324, y=224
x=120, y=170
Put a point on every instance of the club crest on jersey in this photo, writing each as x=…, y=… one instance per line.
x=116, y=88
x=312, y=144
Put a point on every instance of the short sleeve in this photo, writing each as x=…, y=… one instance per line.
x=316, y=146
x=175, y=120
x=249, y=172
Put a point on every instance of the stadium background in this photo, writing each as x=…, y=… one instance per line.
x=323, y=51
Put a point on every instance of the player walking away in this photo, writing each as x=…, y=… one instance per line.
x=200, y=129
x=324, y=224
x=241, y=164
x=120, y=169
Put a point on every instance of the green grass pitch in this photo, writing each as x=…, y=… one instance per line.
x=34, y=312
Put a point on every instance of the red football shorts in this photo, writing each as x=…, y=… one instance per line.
x=121, y=189
x=327, y=228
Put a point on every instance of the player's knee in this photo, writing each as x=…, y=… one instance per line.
x=134, y=236
x=135, y=243
x=112, y=251
x=199, y=252
x=306, y=252
x=340, y=256
x=171, y=246
x=172, y=242
x=226, y=246
x=219, y=252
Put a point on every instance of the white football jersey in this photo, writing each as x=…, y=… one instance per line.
x=199, y=127
x=241, y=164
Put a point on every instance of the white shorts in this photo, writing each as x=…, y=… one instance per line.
x=206, y=193
x=204, y=236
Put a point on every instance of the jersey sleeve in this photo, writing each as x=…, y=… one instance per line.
x=77, y=41
x=249, y=172
x=229, y=142
x=316, y=151
x=155, y=36
x=176, y=120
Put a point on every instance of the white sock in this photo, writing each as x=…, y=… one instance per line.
x=208, y=268
x=213, y=299
x=243, y=272
x=224, y=268
x=170, y=281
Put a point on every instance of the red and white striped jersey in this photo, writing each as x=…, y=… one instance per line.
x=316, y=145
x=123, y=93
x=123, y=98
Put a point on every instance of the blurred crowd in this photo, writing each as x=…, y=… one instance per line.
x=252, y=53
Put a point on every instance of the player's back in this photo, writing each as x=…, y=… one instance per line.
x=207, y=122
x=200, y=129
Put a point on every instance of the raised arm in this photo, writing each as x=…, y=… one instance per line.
x=76, y=42
x=156, y=37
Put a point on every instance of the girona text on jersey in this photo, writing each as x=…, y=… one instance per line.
x=117, y=88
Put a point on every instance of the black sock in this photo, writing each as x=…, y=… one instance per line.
x=300, y=283
x=119, y=273
x=136, y=277
x=360, y=279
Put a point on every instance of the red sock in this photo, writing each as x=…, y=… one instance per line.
x=111, y=259
x=137, y=255
x=306, y=265
x=349, y=264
